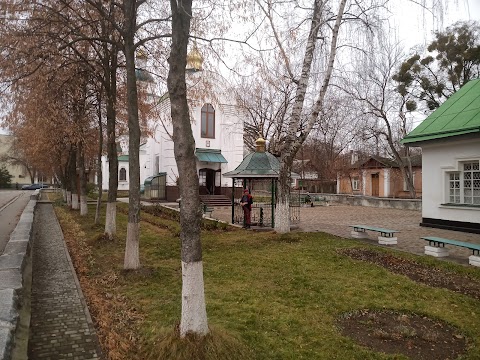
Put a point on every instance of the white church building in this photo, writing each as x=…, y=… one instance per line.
x=217, y=125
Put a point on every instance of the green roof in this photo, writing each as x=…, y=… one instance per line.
x=459, y=115
x=144, y=75
x=210, y=155
x=148, y=180
x=123, y=158
x=257, y=164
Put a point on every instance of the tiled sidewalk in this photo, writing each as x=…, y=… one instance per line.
x=60, y=327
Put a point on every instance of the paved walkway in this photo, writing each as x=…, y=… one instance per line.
x=60, y=327
x=335, y=219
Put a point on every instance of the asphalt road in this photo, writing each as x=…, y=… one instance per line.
x=12, y=203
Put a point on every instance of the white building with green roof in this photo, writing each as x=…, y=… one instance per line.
x=217, y=126
x=450, y=142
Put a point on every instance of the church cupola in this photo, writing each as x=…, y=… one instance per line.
x=194, y=60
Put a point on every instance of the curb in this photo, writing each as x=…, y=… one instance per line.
x=15, y=286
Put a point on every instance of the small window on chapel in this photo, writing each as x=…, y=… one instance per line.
x=123, y=175
x=208, y=121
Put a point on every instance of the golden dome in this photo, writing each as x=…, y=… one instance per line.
x=260, y=144
x=141, y=54
x=194, y=59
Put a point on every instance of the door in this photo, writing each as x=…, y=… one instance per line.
x=210, y=181
x=375, y=184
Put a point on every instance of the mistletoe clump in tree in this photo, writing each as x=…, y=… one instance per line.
x=453, y=59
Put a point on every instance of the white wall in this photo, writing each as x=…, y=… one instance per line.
x=438, y=159
x=228, y=138
x=228, y=135
x=122, y=185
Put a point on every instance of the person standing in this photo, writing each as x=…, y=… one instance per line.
x=246, y=202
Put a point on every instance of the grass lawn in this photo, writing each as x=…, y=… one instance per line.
x=272, y=296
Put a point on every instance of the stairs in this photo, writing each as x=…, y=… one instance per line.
x=215, y=200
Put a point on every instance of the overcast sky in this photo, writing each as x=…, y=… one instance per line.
x=414, y=26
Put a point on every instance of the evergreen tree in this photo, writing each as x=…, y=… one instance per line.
x=5, y=177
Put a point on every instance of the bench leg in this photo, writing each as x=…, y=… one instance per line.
x=359, y=234
x=474, y=260
x=436, y=251
x=383, y=240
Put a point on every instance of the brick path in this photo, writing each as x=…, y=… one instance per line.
x=60, y=327
x=335, y=219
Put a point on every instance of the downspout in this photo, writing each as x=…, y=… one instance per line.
x=273, y=203
x=233, y=200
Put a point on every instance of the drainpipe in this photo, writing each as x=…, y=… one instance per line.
x=233, y=200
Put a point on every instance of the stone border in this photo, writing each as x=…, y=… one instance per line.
x=83, y=301
x=379, y=202
x=15, y=286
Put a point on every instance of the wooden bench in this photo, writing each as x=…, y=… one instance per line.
x=319, y=200
x=436, y=247
x=387, y=236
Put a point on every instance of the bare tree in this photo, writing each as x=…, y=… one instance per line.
x=319, y=17
x=267, y=101
x=376, y=93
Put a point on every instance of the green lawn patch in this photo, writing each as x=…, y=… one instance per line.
x=268, y=296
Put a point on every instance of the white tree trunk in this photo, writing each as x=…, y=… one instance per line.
x=282, y=217
x=75, y=205
x=111, y=220
x=132, y=258
x=83, y=205
x=68, y=197
x=194, y=313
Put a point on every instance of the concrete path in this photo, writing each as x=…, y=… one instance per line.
x=337, y=218
x=61, y=327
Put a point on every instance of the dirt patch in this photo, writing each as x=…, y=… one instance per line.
x=415, y=336
x=417, y=272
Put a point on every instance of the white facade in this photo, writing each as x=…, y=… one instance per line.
x=441, y=159
x=157, y=154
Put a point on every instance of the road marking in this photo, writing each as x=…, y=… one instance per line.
x=10, y=202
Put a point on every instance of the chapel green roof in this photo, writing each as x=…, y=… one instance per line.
x=257, y=165
x=123, y=158
x=459, y=115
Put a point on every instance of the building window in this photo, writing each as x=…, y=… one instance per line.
x=123, y=175
x=464, y=186
x=471, y=183
x=355, y=184
x=405, y=186
x=208, y=121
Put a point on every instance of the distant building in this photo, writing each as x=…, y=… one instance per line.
x=18, y=172
x=378, y=176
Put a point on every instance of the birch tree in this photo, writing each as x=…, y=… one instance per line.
x=319, y=18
